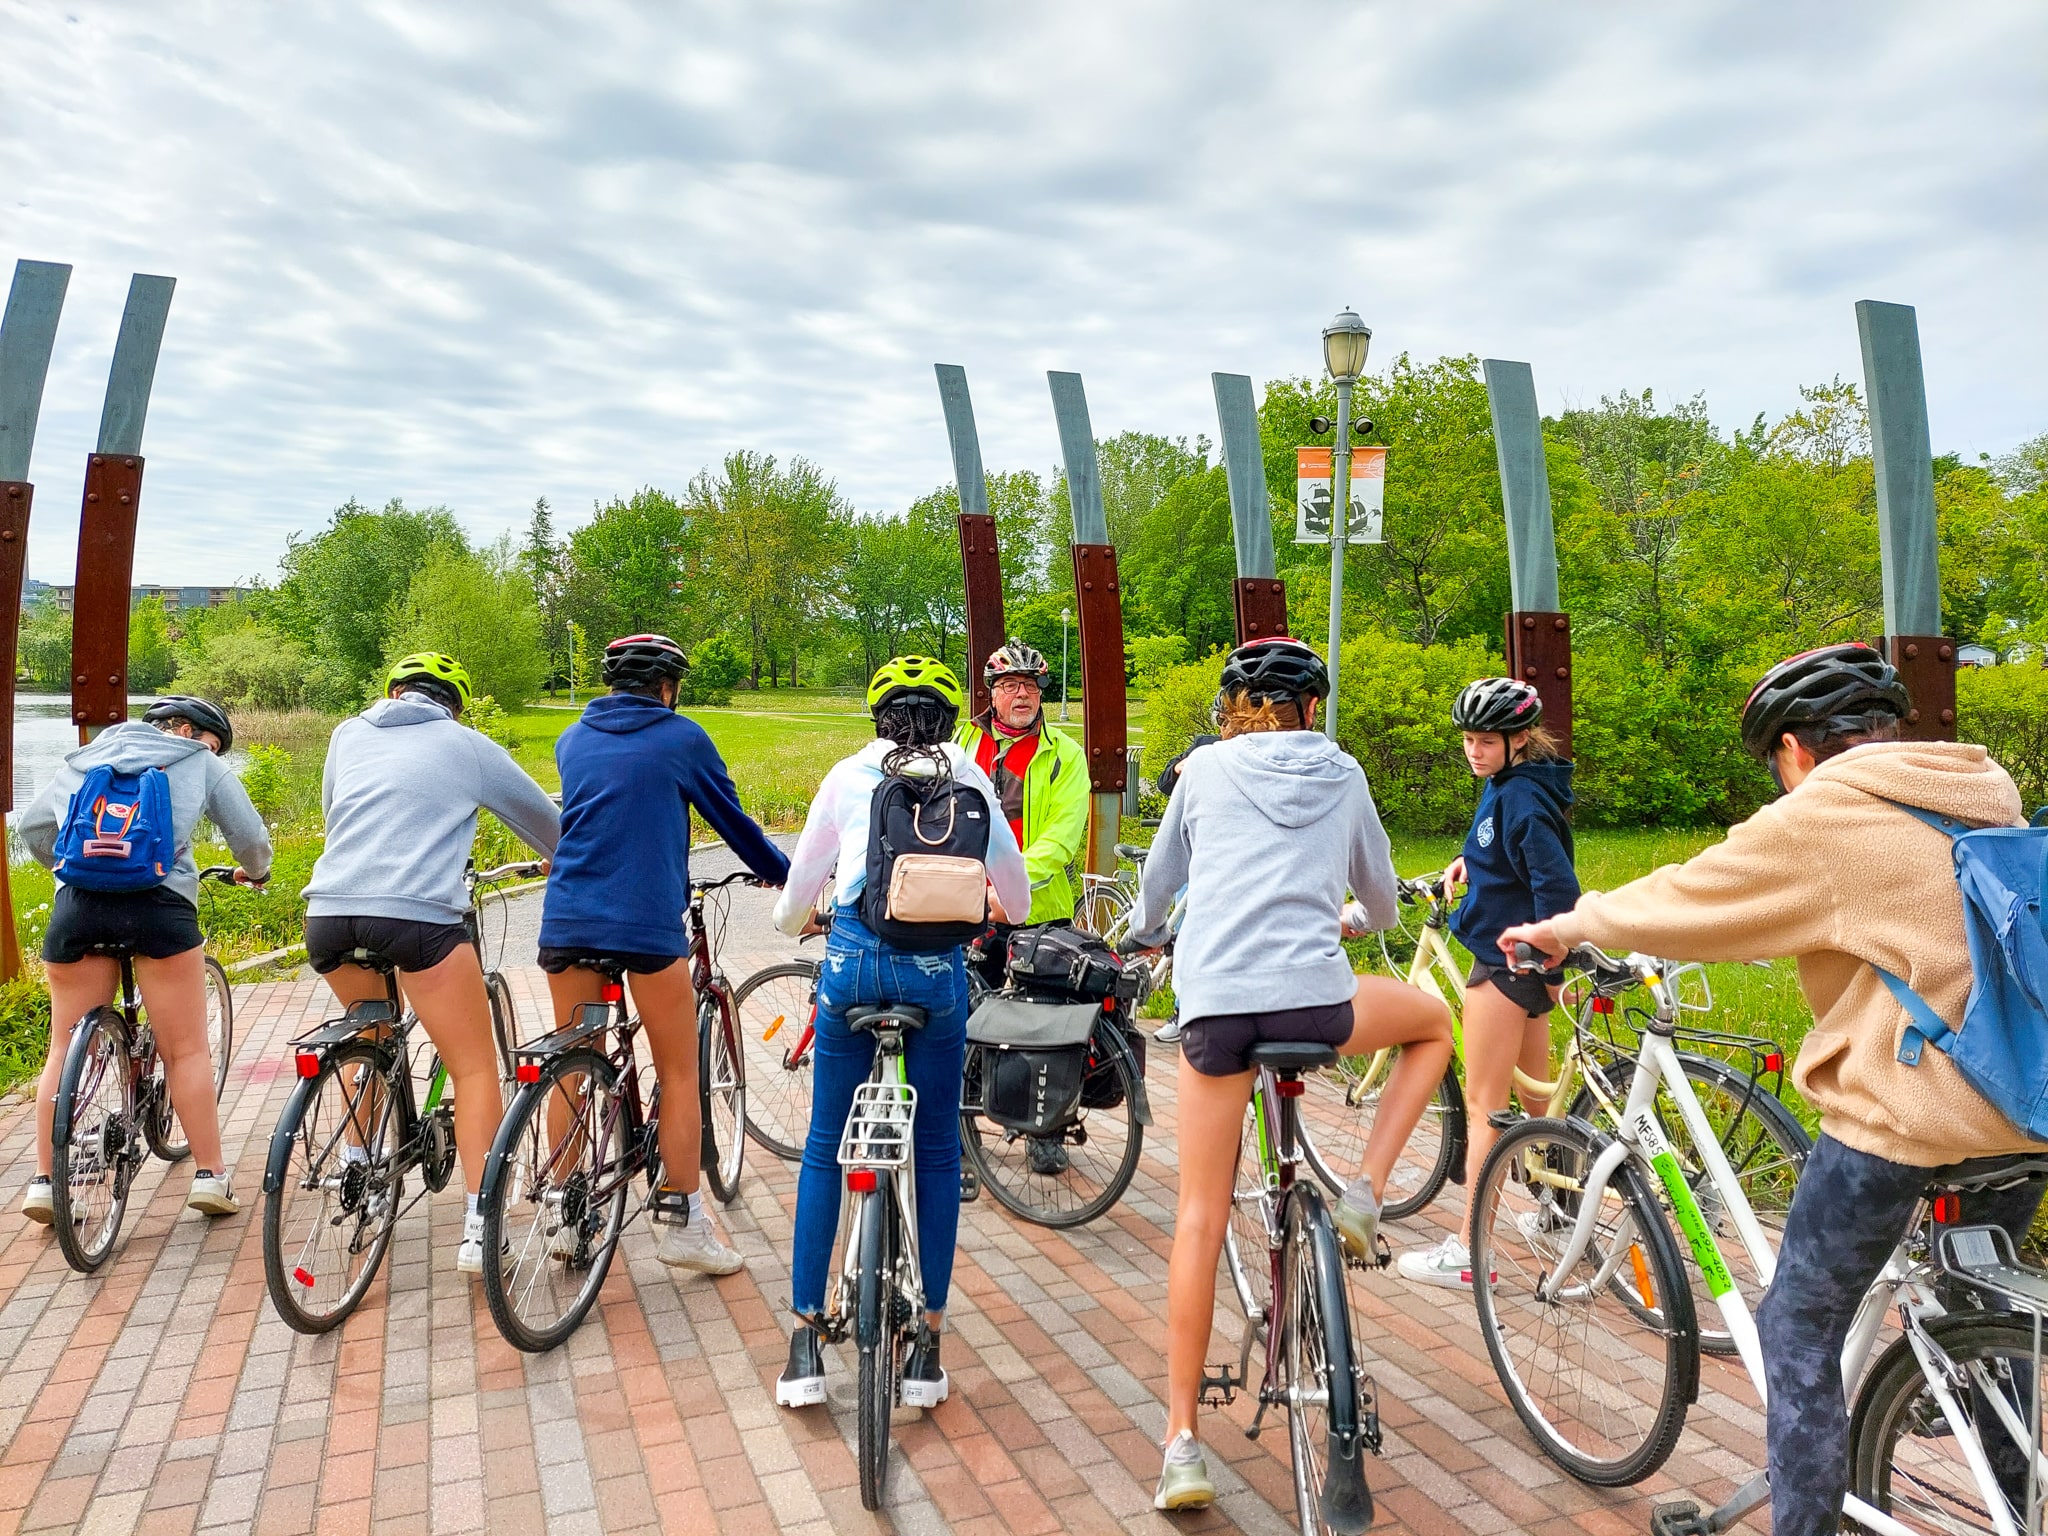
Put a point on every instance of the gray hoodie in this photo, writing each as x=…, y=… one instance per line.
x=1266, y=831
x=403, y=785
x=201, y=786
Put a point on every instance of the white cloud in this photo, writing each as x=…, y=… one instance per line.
x=477, y=254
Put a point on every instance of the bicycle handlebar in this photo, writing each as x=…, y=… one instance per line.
x=525, y=868
x=225, y=874
x=737, y=877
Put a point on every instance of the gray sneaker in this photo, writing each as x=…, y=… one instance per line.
x=1169, y=1032
x=693, y=1245
x=1358, y=1218
x=1184, y=1478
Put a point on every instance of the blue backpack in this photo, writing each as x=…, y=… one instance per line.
x=2001, y=1047
x=117, y=834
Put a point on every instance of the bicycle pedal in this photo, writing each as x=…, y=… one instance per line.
x=1369, y=1412
x=970, y=1186
x=1220, y=1388
x=1504, y=1120
x=1382, y=1255
x=1680, y=1517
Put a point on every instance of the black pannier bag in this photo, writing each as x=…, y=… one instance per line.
x=1068, y=962
x=1032, y=1061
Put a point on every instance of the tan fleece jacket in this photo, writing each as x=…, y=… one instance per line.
x=1834, y=876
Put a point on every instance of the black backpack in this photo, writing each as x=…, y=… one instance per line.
x=924, y=830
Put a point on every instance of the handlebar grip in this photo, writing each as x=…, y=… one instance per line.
x=1528, y=958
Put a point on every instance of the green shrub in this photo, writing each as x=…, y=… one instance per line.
x=1146, y=657
x=254, y=666
x=1652, y=747
x=24, y=1027
x=266, y=776
x=715, y=666
x=2005, y=710
x=1177, y=708
x=1394, y=716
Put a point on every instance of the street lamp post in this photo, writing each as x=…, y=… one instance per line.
x=1066, y=617
x=1345, y=340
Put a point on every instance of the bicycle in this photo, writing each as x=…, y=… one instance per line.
x=556, y=1185
x=1571, y=1222
x=778, y=998
x=1289, y=1274
x=352, y=1130
x=113, y=1101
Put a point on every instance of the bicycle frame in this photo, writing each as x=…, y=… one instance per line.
x=876, y=1152
x=1279, y=1155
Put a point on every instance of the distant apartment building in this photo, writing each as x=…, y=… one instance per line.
x=173, y=598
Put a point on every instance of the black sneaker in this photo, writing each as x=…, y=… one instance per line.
x=802, y=1383
x=1048, y=1157
x=924, y=1379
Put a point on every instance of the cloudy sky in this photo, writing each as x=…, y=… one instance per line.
x=478, y=253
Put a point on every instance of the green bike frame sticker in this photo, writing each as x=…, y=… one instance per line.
x=1650, y=1137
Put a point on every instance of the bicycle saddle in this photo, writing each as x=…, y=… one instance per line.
x=874, y=1015
x=1989, y=1172
x=1292, y=1055
x=370, y=960
x=610, y=969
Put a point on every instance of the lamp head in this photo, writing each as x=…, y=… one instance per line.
x=1345, y=342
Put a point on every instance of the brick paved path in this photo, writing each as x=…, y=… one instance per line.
x=165, y=1395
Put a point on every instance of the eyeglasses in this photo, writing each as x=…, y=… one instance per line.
x=1013, y=685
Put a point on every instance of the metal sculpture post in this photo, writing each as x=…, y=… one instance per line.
x=1903, y=459
x=1258, y=596
x=980, y=555
x=106, y=528
x=1104, y=724
x=27, y=332
x=1539, y=636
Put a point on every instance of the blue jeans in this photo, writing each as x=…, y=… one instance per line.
x=860, y=968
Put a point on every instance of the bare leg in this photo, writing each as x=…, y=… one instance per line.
x=174, y=992
x=1211, y=1120
x=1386, y=1012
x=667, y=1005
x=1499, y=1036
x=76, y=988
x=456, y=1014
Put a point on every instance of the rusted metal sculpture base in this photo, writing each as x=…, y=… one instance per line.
x=16, y=498
x=1105, y=723
x=1260, y=603
x=1927, y=666
x=981, y=562
x=106, y=564
x=1540, y=652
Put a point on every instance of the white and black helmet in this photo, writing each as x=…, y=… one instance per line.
x=1502, y=704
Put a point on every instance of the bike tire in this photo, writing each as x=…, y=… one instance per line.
x=721, y=1093
x=777, y=1011
x=1602, y=1388
x=1325, y=1429
x=1094, y=1177
x=94, y=1148
x=1435, y=1148
x=538, y=1287
x=875, y=1334
x=327, y=1218
x=1904, y=1456
x=504, y=1022
x=1248, y=1248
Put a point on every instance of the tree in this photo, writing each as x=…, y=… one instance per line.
x=632, y=569
x=1178, y=563
x=541, y=559
x=150, y=662
x=252, y=665
x=44, y=646
x=774, y=536
x=877, y=586
x=479, y=609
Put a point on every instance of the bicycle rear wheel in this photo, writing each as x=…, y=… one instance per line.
x=1249, y=1241
x=1337, y=1116
x=722, y=1087
x=1600, y=1381
x=875, y=1335
x=777, y=1008
x=1071, y=1177
x=332, y=1189
x=94, y=1149
x=1906, y=1458
x=1325, y=1429
x=554, y=1200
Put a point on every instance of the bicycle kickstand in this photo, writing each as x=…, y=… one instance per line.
x=1682, y=1517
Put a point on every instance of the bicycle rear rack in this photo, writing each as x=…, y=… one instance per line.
x=878, y=1127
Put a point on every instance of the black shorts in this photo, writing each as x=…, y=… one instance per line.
x=1221, y=1044
x=407, y=943
x=156, y=924
x=556, y=961
x=1531, y=991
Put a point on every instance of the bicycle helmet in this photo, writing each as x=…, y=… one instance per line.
x=200, y=714
x=643, y=661
x=1279, y=667
x=1836, y=684
x=924, y=675
x=1502, y=704
x=442, y=678
x=1015, y=659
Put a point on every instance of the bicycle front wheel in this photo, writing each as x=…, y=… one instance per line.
x=777, y=1009
x=554, y=1200
x=722, y=1088
x=1905, y=1455
x=875, y=1334
x=1600, y=1363
x=93, y=1147
x=1337, y=1116
x=1325, y=1428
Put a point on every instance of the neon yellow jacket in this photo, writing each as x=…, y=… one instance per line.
x=1055, y=817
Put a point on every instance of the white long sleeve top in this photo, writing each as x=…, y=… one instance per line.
x=835, y=837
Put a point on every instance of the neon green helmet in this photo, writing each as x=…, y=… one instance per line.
x=905, y=674
x=431, y=667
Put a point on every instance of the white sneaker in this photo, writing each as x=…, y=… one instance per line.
x=469, y=1258
x=1447, y=1264
x=37, y=1203
x=1545, y=1230
x=695, y=1246
x=210, y=1193
x=1169, y=1032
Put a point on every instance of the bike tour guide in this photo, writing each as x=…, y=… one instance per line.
x=915, y=702
x=403, y=785
x=1268, y=828
x=632, y=771
x=1835, y=874
x=158, y=924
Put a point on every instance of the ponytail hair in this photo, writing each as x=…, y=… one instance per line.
x=1542, y=746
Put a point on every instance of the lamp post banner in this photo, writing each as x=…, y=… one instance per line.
x=1314, y=496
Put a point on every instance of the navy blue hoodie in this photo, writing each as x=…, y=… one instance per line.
x=1518, y=855
x=632, y=770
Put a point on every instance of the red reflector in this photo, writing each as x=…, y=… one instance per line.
x=1290, y=1087
x=1947, y=1209
x=304, y=1276
x=1603, y=1005
x=613, y=991
x=1774, y=1062
x=527, y=1072
x=309, y=1063
x=860, y=1181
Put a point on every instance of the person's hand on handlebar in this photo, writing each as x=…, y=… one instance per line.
x=1539, y=937
x=1352, y=921
x=243, y=877
x=1454, y=873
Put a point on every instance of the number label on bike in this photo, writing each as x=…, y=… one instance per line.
x=1650, y=1137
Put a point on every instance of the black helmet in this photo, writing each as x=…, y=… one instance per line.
x=643, y=661
x=1279, y=668
x=1502, y=704
x=197, y=712
x=1836, y=682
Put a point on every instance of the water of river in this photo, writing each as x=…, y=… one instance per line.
x=43, y=733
